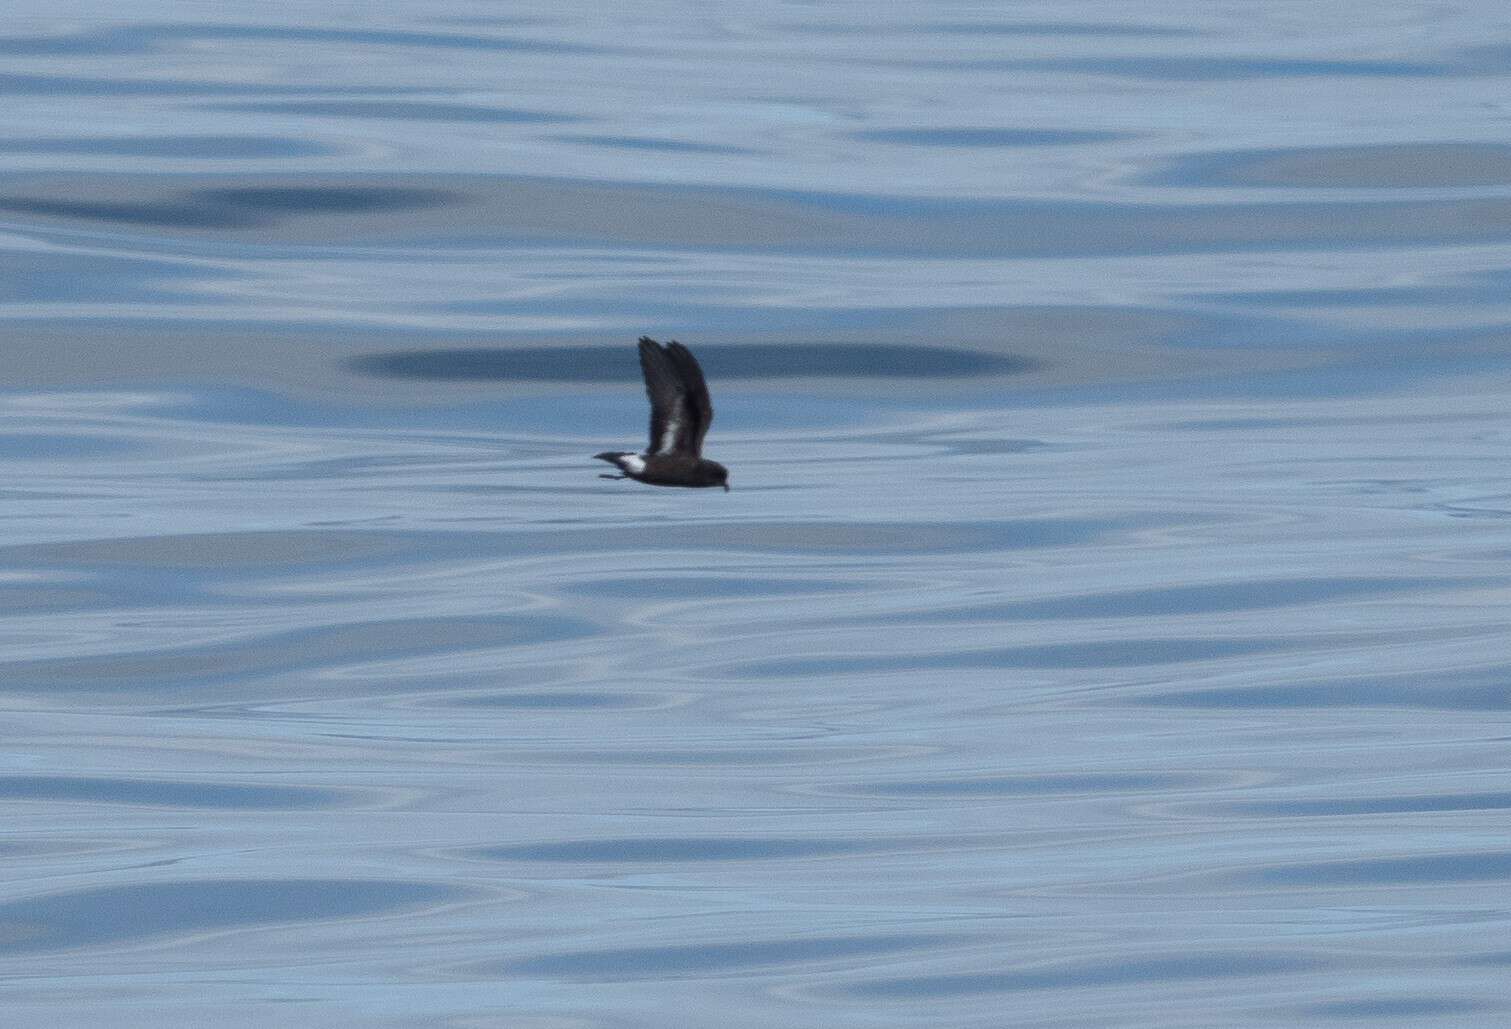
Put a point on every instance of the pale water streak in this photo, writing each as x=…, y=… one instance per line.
x=1107, y=624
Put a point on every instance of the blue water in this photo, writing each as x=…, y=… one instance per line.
x=1108, y=624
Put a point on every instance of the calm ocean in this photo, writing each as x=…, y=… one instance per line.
x=1108, y=624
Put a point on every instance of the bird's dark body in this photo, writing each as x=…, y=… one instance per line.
x=680, y=415
x=673, y=470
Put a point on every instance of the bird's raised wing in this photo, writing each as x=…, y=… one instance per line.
x=673, y=425
x=699, y=407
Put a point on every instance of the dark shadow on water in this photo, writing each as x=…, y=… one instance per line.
x=754, y=848
x=1080, y=975
x=657, y=962
x=162, y=213
x=1426, y=870
x=728, y=361
x=236, y=208
x=139, y=911
x=326, y=199
x=162, y=793
x=615, y=215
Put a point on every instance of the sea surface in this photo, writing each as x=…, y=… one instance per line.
x=1109, y=624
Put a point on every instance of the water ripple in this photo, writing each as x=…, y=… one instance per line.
x=166, y=793
x=1415, y=872
x=630, y=963
x=664, y=849
x=128, y=914
x=1082, y=975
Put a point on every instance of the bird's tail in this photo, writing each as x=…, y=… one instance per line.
x=611, y=456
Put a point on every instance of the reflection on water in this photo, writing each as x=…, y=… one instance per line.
x=1109, y=616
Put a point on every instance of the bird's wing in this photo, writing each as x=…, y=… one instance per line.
x=700, y=407
x=671, y=417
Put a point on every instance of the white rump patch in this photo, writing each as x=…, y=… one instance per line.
x=632, y=463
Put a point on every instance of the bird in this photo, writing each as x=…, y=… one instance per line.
x=680, y=416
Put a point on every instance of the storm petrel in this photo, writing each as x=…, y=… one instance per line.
x=680, y=415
